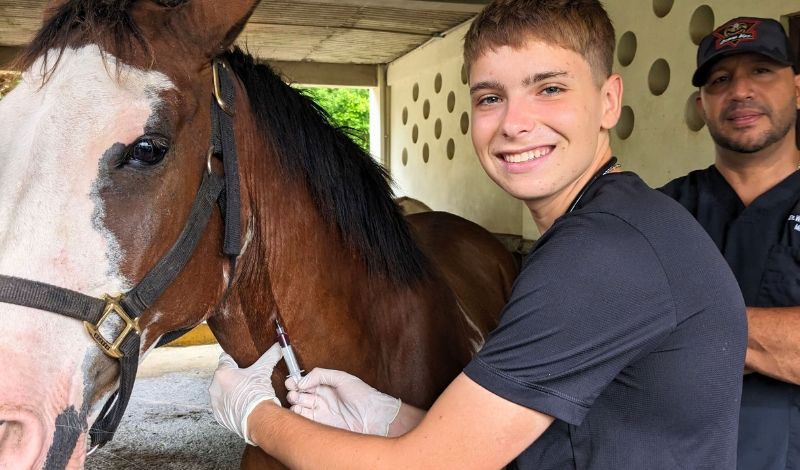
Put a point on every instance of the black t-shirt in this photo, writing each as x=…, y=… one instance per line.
x=627, y=326
x=761, y=242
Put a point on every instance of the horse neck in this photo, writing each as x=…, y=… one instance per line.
x=299, y=267
x=341, y=316
x=309, y=266
x=293, y=264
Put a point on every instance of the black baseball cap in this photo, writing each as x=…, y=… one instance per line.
x=763, y=36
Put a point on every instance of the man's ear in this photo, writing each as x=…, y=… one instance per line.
x=698, y=106
x=797, y=90
x=612, y=101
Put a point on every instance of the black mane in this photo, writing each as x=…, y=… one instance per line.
x=76, y=23
x=79, y=22
x=348, y=187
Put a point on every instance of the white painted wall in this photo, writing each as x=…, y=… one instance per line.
x=661, y=145
x=441, y=169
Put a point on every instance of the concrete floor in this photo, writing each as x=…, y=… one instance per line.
x=168, y=423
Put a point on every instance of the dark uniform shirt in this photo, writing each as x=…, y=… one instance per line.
x=761, y=242
x=627, y=326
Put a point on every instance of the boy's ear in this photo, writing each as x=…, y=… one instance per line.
x=612, y=101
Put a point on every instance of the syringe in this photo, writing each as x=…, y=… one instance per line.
x=288, y=353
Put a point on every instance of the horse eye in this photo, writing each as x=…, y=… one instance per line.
x=147, y=151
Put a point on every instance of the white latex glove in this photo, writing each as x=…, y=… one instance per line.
x=344, y=401
x=235, y=392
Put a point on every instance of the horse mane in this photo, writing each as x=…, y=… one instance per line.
x=349, y=188
x=75, y=23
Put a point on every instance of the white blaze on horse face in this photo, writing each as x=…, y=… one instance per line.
x=51, y=150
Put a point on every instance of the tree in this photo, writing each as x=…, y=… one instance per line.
x=347, y=107
x=8, y=80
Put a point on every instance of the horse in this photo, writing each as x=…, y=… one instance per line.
x=154, y=177
x=409, y=205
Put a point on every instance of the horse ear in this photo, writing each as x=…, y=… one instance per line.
x=215, y=24
x=208, y=27
x=51, y=9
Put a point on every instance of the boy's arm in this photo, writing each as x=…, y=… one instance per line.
x=467, y=427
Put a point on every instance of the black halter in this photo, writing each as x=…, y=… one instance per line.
x=130, y=305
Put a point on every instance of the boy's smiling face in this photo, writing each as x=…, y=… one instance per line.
x=539, y=120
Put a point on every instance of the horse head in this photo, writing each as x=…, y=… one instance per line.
x=104, y=157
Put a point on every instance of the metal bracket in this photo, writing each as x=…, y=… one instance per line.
x=112, y=307
x=215, y=64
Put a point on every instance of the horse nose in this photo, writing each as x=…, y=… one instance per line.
x=22, y=440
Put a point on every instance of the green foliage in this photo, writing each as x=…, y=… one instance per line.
x=8, y=80
x=348, y=108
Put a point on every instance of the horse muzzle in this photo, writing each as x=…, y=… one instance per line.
x=22, y=439
x=48, y=391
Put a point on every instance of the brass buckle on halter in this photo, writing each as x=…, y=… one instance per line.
x=112, y=307
x=218, y=88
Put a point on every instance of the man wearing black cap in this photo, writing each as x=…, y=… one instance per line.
x=749, y=202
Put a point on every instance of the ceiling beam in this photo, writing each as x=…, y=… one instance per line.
x=471, y=2
x=473, y=6
x=325, y=74
x=275, y=24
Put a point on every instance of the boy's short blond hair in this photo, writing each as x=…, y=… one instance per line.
x=582, y=26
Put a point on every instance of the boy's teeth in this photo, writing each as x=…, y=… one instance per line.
x=523, y=157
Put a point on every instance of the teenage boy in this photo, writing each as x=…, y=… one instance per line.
x=623, y=343
x=749, y=202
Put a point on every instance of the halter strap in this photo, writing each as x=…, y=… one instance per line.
x=129, y=306
x=224, y=143
x=141, y=297
x=41, y=296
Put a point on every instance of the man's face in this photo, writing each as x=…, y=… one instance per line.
x=538, y=120
x=749, y=102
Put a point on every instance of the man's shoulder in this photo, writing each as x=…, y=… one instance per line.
x=688, y=183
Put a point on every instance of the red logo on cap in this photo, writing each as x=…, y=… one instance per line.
x=735, y=33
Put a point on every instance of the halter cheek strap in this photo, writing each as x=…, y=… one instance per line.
x=129, y=306
x=223, y=142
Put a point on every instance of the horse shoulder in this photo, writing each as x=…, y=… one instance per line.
x=467, y=255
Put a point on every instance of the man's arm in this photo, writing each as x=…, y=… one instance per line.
x=773, y=342
x=467, y=427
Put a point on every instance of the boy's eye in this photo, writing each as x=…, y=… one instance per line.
x=551, y=90
x=488, y=99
